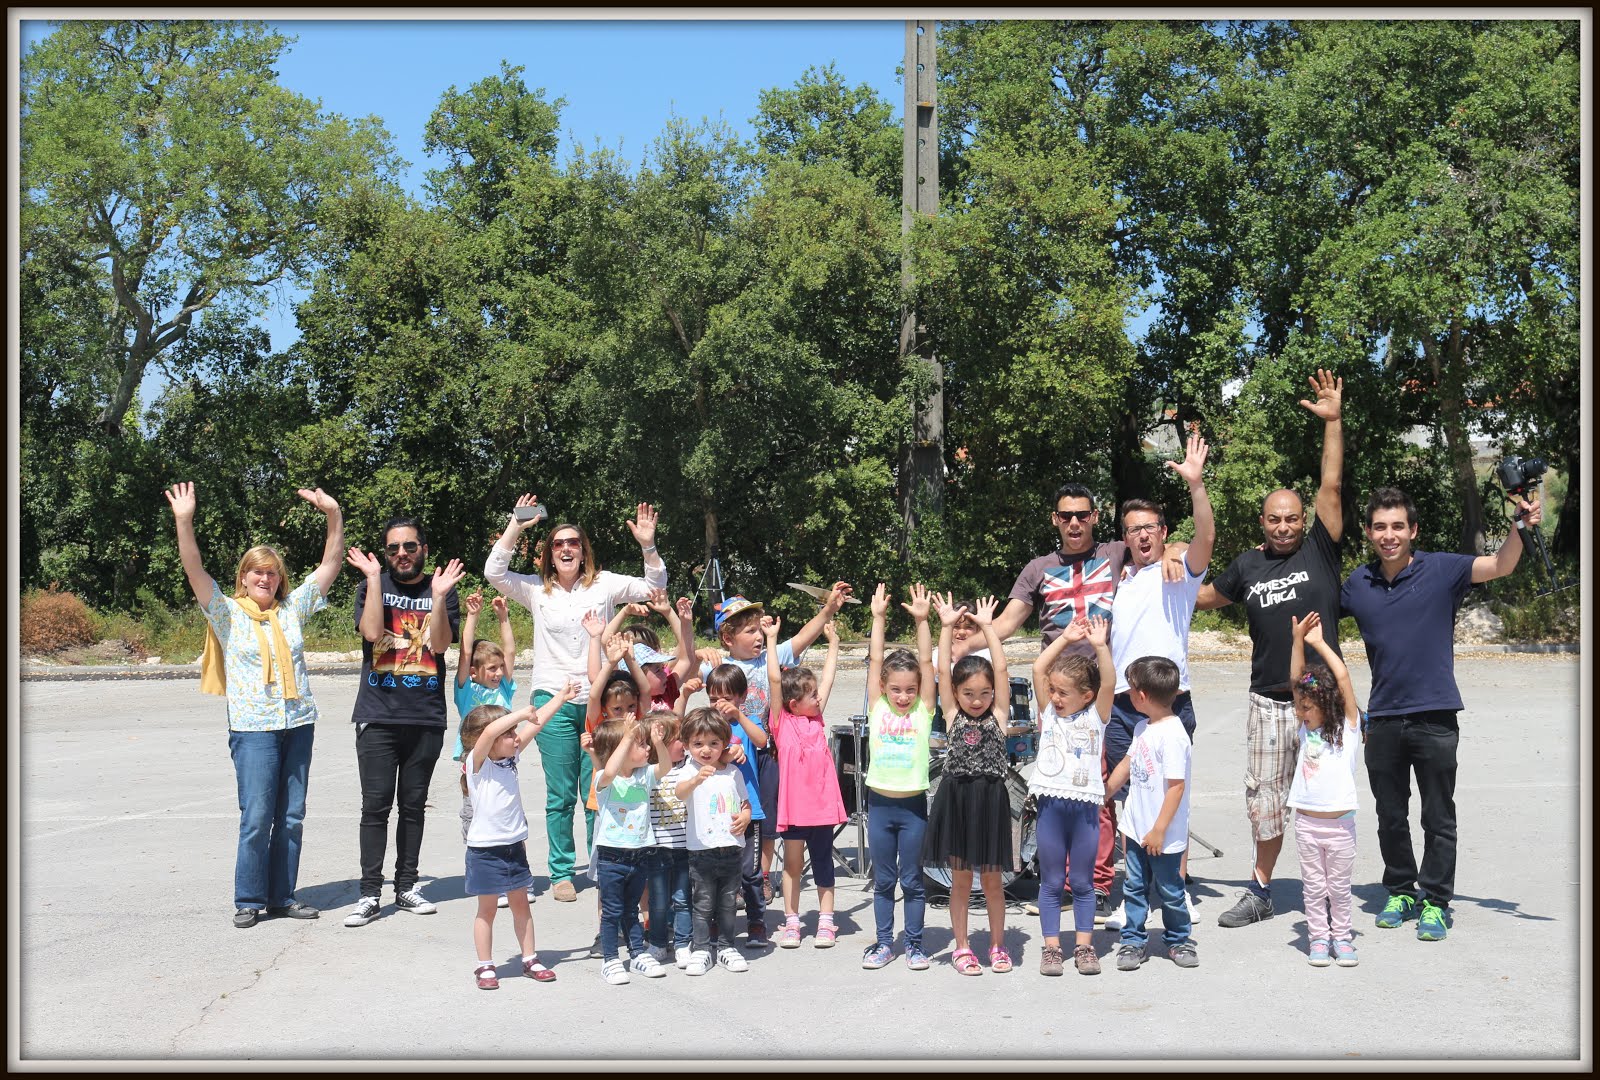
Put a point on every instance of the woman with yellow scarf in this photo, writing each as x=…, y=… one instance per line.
x=254, y=655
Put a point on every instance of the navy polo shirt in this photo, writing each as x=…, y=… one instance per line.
x=1409, y=626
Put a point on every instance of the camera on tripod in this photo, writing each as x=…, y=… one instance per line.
x=1517, y=475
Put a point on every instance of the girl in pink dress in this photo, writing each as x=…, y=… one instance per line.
x=809, y=803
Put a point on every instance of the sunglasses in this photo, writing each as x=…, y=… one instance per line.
x=1074, y=515
x=409, y=547
x=566, y=541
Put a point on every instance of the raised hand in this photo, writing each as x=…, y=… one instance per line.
x=1194, y=459
x=830, y=632
x=586, y=741
x=659, y=603
x=523, y=500
x=591, y=622
x=181, y=497
x=1076, y=630
x=445, y=577
x=1098, y=631
x=474, y=603
x=1330, y=395
x=616, y=647
x=880, y=601
x=644, y=526
x=837, y=595
x=692, y=686
x=499, y=605
x=568, y=691
x=727, y=709
x=1308, y=628
x=320, y=499
x=984, y=616
x=638, y=611
x=366, y=563
x=770, y=624
x=658, y=732
x=918, y=607
x=685, y=608
x=946, y=607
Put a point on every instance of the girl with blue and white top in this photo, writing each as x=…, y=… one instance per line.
x=254, y=654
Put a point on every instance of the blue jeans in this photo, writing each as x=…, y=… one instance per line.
x=894, y=838
x=667, y=873
x=271, y=768
x=620, y=874
x=1142, y=869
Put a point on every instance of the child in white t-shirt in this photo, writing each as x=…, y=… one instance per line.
x=497, y=850
x=623, y=835
x=1323, y=791
x=718, y=802
x=1155, y=818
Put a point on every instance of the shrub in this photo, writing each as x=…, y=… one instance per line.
x=52, y=620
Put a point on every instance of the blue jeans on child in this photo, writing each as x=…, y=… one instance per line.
x=894, y=838
x=671, y=921
x=620, y=874
x=1143, y=869
x=271, y=768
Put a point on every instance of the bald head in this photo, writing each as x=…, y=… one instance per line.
x=1283, y=522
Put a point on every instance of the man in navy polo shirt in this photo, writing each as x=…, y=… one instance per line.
x=1405, y=605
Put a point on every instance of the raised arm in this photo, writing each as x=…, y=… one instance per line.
x=327, y=571
x=542, y=715
x=596, y=631
x=643, y=527
x=469, y=637
x=370, y=620
x=1328, y=407
x=813, y=628
x=949, y=615
x=918, y=608
x=880, y=614
x=984, y=615
x=1099, y=635
x=830, y=663
x=1074, y=631
x=686, y=661
x=617, y=763
x=1502, y=562
x=440, y=632
x=497, y=728
x=770, y=625
x=658, y=739
x=508, y=636
x=1308, y=631
x=1205, y=523
x=182, y=500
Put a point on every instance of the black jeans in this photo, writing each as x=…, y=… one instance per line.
x=714, y=878
x=1424, y=743
x=395, y=762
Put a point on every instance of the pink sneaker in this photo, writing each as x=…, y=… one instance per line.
x=790, y=938
x=826, y=933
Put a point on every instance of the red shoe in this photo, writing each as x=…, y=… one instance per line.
x=537, y=971
x=487, y=979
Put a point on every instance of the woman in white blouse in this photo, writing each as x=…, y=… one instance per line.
x=569, y=583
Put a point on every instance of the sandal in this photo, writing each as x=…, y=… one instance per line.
x=999, y=959
x=965, y=962
x=487, y=980
x=537, y=971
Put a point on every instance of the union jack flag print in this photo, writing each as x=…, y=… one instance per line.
x=1083, y=588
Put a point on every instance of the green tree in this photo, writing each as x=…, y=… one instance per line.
x=165, y=166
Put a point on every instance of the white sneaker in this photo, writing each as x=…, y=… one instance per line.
x=615, y=972
x=413, y=901
x=647, y=965
x=732, y=960
x=699, y=963
x=1194, y=916
x=366, y=910
x=504, y=901
x=1118, y=918
x=530, y=894
x=680, y=957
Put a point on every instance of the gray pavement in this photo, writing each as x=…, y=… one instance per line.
x=129, y=820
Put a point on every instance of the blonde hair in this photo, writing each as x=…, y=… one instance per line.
x=262, y=557
x=473, y=725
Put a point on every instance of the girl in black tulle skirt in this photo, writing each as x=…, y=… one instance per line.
x=969, y=826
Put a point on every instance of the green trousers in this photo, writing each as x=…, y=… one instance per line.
x=567, y=774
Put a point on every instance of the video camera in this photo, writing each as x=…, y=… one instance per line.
x=1517, y=475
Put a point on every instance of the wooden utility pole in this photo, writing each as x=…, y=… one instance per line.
x=922, y=462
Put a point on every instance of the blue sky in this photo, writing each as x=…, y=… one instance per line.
x=621, y=79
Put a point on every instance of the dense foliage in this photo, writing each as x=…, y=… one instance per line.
x=715, y=327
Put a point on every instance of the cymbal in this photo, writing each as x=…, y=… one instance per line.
x=819, y=594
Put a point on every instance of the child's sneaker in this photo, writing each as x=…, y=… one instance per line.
x=1320, y=954
x=1345, y=953
x=731, y=959
x=1184, y=955
x=503, y=902
x=615, y=972
x=790, y=938
x=699, y=963
x=647, y=965
x=1084, y=959
x=826, y=934
x=916, y=959
x=755, y=936
x=1129, y=957
x=680, y=956
x=1117, y=918
x=877, y=956
x=1050, y=960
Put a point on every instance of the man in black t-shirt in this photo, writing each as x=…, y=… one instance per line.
x=407, y=621
x=1297, y=571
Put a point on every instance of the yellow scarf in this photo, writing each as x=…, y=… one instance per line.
x=213, y=666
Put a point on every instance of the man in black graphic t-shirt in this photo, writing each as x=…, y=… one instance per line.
x=407, y=621
x=1295, y=572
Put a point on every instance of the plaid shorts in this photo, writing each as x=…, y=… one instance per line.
x=1272, y=743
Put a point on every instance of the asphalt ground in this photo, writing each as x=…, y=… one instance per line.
x=124, y=828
